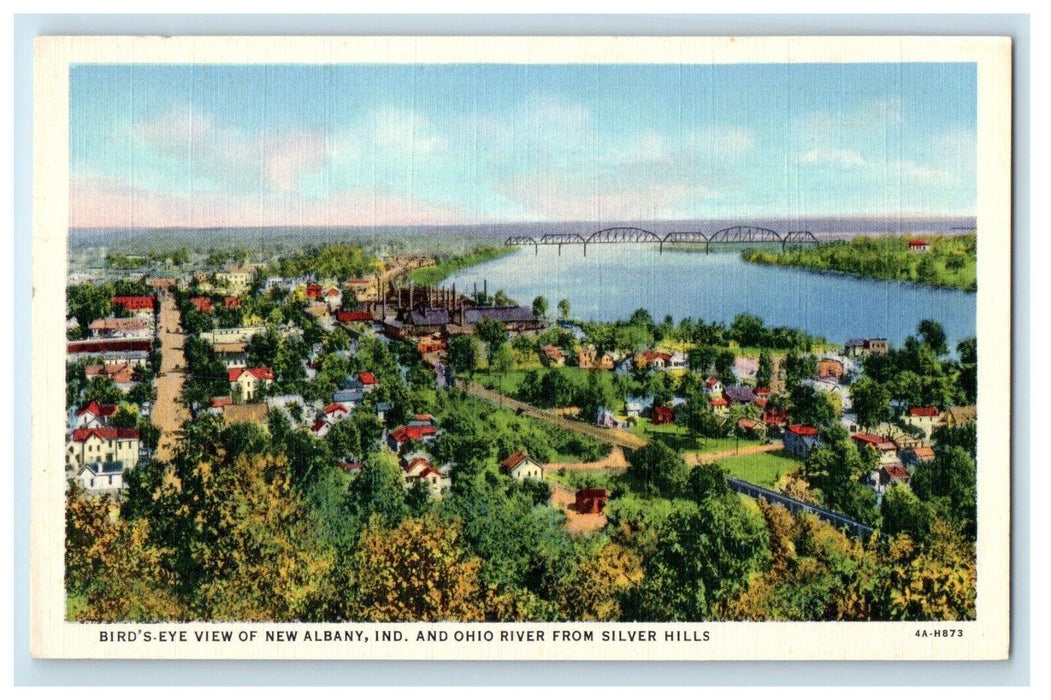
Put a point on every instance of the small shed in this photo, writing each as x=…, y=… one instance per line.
x=590, y=500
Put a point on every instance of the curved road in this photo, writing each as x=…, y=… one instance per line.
x=169, y=413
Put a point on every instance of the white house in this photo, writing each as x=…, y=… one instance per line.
x=520, y=467
x=246, y=382
x=102, y=445
x=94, y=415
x=101, y=477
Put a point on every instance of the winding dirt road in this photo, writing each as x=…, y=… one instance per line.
x=611, y=436
x=169, y=413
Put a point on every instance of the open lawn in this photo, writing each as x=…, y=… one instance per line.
x=763, y=469
x=679, y=439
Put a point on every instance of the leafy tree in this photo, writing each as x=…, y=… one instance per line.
x=724, y=366
x=126, y=416
x=836, y=468
x=102, y=390
x=420, y=570
x=563, y=308
x=603, y=576
x=703, y=553
x=88, y=302
x=657, y=471
x=798, y=367
x=701, y=358
x=810, y=406
x=502, y=360
x=343, y=439
x=257, y=551
x=949, y=483
x=540, y=307
x=933, y=336
x=492, y=333
x=378, y=490
x=904, y=512
x=871, y=402
x=968, y=353
x=113, y=571
x=765, y=373
x=462, y=354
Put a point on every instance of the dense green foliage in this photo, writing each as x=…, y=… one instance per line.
x=340, y=261
x=949, y=263
x=448, y=266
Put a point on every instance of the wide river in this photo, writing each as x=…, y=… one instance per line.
x=614, y=280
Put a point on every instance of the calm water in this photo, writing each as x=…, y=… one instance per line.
x=615, y=280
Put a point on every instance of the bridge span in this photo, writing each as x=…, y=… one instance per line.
x=746, y=235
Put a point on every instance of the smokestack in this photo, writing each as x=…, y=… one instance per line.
x=485, y=290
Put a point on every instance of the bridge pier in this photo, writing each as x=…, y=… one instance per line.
x=585, y=249
x=560, y=250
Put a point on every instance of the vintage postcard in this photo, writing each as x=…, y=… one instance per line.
x=521, y=348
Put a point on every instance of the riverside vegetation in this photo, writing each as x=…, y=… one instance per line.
x=950, y=261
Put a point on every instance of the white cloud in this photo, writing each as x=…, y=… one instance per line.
x=913, y=170
x=833, y=156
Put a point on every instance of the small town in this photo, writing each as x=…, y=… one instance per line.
x=349, y=377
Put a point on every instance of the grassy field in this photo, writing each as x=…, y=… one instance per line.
x=434, y=274
x=763, y=469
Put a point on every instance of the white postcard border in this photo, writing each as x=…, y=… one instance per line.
x=985, y=638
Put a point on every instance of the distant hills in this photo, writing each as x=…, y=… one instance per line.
x=404, y=239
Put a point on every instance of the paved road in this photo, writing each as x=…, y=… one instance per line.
x=612, y=436
x=169, y=413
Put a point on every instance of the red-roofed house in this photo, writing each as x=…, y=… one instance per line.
x=101, y=445
x=916, y=455
x=884, y=447
x=651, y=358
x=136, y=306
x=422, y=419
x=202, y=304
x=320, y=428
x=122, y=375
x=313, y=291
x=892, y=474
x=368, y=379
x=917, y=245
x=922, y=417
x=232, y=302
x=713, y=387
x=800, y=440
x=520, y=466
x=220, y=401
x=662, y=415
x=416, y=433
x=246, y=381
x=336, y=411
x=720, y=405
x=418, y=467
x=95, y=415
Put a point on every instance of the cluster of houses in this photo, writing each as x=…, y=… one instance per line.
x=898, y=451
x=118, y=347
x=98, y=453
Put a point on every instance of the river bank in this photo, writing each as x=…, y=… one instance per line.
x=433, y=274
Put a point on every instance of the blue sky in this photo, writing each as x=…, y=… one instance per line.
x=445, y=144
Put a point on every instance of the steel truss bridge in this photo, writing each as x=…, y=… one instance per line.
x=629, y=234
